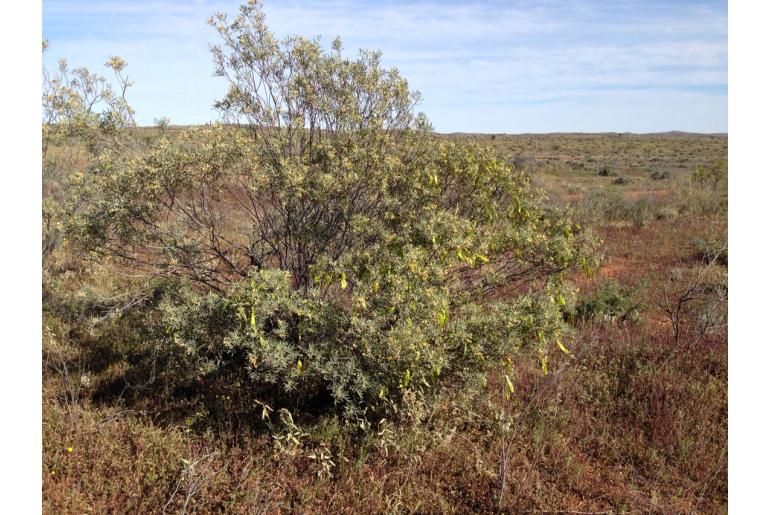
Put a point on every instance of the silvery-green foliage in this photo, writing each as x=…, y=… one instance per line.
x=336, y=254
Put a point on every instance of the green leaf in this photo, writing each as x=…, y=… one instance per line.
x=407, y=378
x=443, y=317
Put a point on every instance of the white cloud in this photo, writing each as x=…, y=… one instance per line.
x=520, y=57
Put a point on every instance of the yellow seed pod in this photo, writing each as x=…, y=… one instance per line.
x=509, y=387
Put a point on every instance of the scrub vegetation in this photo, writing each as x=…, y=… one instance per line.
x=319, y=305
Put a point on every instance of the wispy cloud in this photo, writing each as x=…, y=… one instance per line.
x=510, y=66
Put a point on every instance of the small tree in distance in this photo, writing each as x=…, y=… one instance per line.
x=330, y=253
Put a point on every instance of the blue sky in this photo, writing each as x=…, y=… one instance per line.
x=495, y=66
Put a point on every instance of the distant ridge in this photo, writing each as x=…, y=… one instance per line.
x=577, y=133
x=685, y=133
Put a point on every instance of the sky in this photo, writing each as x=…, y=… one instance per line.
x=493, y=67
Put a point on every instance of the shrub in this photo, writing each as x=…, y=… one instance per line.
x=610, y=206
x=705, y=193
x=712, y=248
x=610, y=302
x=659, y=176
x=667, y=212
x=709, y=195
x=606, y=170
x=641, y=213
x=83, y=113
x=712, y=175
x=334, y=255
x=695, y=303
x=622, y=181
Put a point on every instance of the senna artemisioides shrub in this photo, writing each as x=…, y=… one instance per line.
x=336, y=254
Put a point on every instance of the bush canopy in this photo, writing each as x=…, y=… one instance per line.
x=327, y=251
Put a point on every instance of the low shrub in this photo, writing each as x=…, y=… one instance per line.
x=711, y=248
x=667, y=212
x=640, y=212
x=610, y=302
x=611, y=206
x=713, y=175
x=705, y=194
x=622, y=181
x=606, y=170
x=659, y=176
x=694, y=200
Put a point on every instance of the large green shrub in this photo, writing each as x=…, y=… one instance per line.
x=334, y=254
